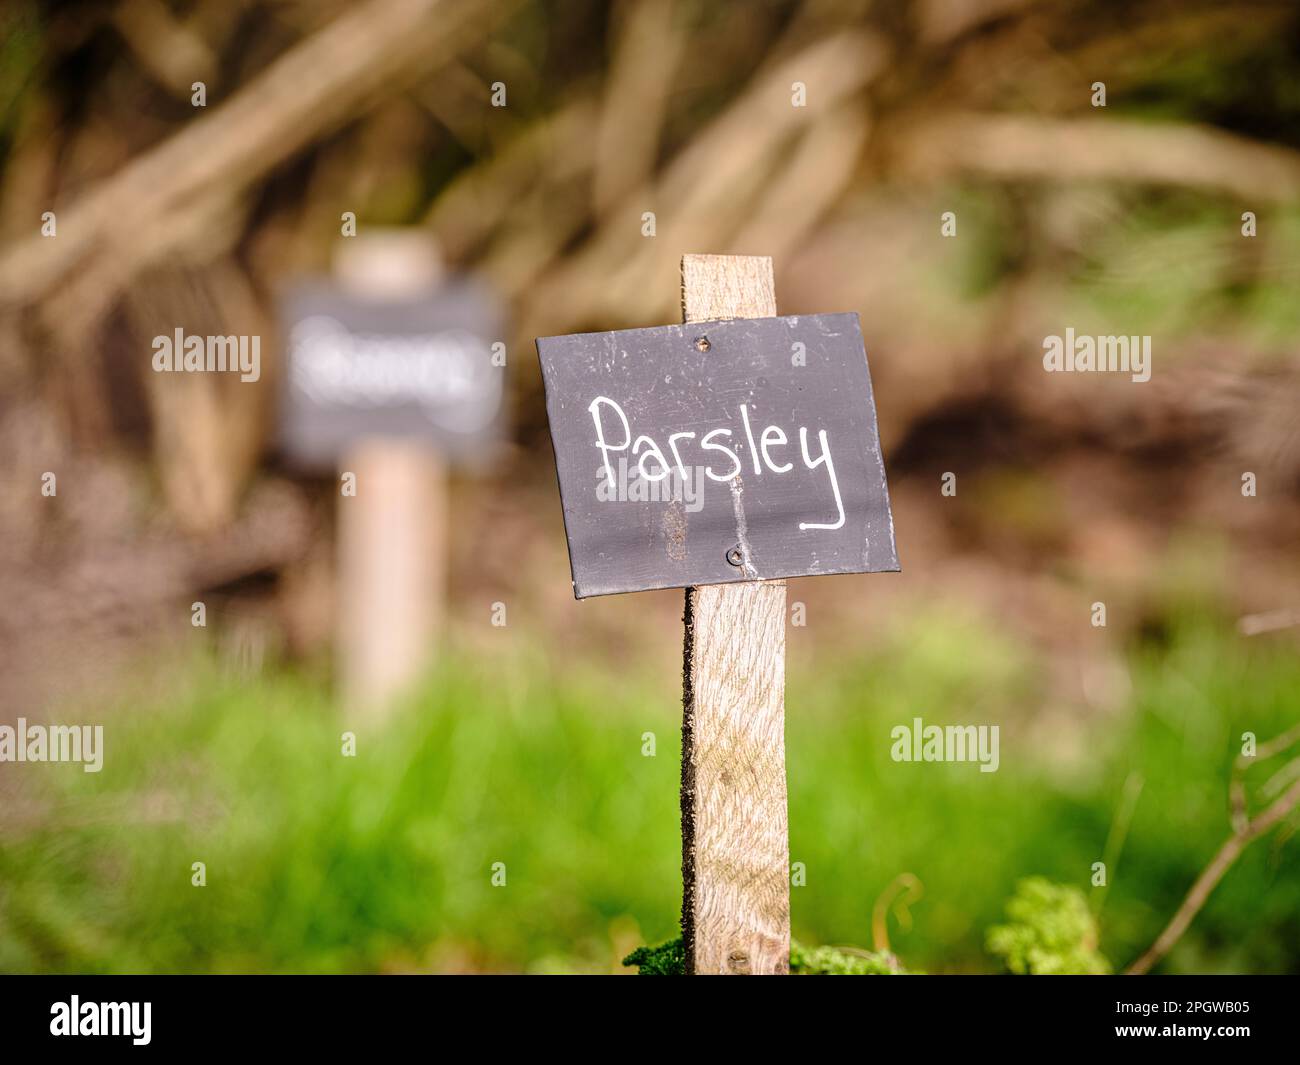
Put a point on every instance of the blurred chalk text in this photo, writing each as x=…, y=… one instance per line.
x=422, y=366
x=448, y=374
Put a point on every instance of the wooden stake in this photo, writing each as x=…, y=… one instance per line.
x=392, y=570
x=735, y=831
x=392, y=557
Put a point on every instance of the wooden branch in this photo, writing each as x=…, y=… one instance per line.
x=816, y=172
x=373, y=49
x=735, y=833
x=1270, y=621
x=1237, y=778
x=1211, y=875
x=702, y=194
x=1074, y=149
x=479, y=200
x=1278, y=781
x=168, y=49
x=641, y=76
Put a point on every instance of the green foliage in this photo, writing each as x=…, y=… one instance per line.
x=1051, y=933
x=320, y=863
x=668, y=959
x=832, y=961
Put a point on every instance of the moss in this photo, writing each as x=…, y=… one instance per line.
x=1051, y=932
x=669, y=959
x=833, y=961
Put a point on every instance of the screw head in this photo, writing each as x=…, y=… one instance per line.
x=702, y=344
x=736, y=556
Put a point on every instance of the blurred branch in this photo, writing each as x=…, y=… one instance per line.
x=1237, y=783
x=315, y=87
x=819, y=170
x=1271, y=621
x=641, y=75
x=474, y=205
x=1019, y=146
x=176, y=56
x=705, y=194
x=942, y=21
x=207, y=429
x=1245, y=831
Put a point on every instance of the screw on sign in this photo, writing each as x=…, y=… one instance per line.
x=708, y=456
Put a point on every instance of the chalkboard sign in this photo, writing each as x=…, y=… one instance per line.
x=713, y=452
x=422, y=366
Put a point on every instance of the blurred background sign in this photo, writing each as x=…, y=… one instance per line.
x=390, y=348
x=394, y=371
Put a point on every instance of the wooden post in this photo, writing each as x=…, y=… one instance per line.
x=392, y=563
x=735, y=832
x=392, y=546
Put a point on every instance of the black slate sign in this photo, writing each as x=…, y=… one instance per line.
x=712, y=452
x=416, y=367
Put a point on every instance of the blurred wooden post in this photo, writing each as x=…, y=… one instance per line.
x=392, y=551
x=735, y=835
x=392, y=548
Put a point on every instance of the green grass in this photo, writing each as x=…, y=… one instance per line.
x=317, y=862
